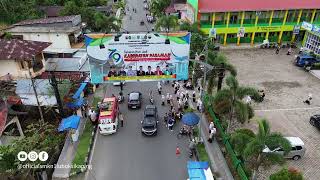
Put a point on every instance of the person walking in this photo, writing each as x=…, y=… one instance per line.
x=278, y=49
x=121, y=118
x=194, y=96
x=212, y=134
x=163, y=99
x=170, y=123
x=168, y=98
x=93, y=116
x=165, y=119
x=159, y=87
x=198, y=104
x=308, y=100
x=211, y=126
x=192, y=148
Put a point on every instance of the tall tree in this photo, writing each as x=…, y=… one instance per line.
x=229, y=101
x=105, y=23
x=167, y=23
x=252, y=146
x=158, y=7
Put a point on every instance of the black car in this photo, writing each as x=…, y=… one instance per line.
x=315, y=120
x=134, y=100
x=150, y=120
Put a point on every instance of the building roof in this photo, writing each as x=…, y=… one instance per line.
x=170, y=9
x=206, y=6
x=15, y=49
x=60, y=19
x=67, y=65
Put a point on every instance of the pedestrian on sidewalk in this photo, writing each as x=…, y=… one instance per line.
x=308, y=100
x=199, y=103
x=93, y=116
x=192, y=148
x=211, y=126
x=171, y=98
x=212, y=134
x=278, y=49
x=194, y=96
x=159, y=87
x=121, y=118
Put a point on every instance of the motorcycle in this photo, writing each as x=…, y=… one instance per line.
x=120, y=97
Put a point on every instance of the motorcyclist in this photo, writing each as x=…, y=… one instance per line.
x=151, y=97
x=120, y=97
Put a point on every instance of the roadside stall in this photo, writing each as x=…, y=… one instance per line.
x=71, y=124
x=198, y=170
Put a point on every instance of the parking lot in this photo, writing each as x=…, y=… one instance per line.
x=286, y=87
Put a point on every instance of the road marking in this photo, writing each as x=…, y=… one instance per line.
x=289, y=109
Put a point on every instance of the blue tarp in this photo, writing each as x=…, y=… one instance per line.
x=79, y=91
x=77, y=103
x=71, y=122
x=196, y=170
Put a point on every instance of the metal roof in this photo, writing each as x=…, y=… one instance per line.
x=206, y=6
x=15, y=49
x=66, y=65
x=60, y=19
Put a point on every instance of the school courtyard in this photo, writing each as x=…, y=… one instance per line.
x=286, y=87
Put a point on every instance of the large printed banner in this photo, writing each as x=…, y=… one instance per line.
x=138, y=57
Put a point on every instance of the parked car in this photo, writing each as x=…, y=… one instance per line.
x=297, y=151
x=149, y=124
x=118, y=83
x=134, y=100
x=315, y=121
x=305, y=60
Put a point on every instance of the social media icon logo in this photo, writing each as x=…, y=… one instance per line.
x=22, y=156
x=43, y=156
x=32, y=156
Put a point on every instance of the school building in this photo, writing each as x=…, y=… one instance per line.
x=252, y=21
x=311, y=40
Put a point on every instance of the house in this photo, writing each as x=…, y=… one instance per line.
x=63, y=32
x=44, y=90
x=18, y=57
x=252, y=21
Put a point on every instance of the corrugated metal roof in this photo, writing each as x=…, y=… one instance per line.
x=52, y=20
x=15, y=49
x=255, y=5
x=66, y=65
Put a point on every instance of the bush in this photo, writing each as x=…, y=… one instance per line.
x=316, y=66
x=287, y=174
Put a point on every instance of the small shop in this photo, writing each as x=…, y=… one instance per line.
x=311, y=40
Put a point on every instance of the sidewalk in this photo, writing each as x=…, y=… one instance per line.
x=218, y=162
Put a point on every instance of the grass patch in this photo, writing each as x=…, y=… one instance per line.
x=82, y=150
x=203, y=156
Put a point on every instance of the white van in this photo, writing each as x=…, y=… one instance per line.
x=297, y=151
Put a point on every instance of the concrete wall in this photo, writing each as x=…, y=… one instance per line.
x=58, y=40
x=12, y=67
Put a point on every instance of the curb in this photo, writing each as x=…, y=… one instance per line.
x=88, y=154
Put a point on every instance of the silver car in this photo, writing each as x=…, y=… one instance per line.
x=297, y=151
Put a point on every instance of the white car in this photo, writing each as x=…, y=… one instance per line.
x=118, y=83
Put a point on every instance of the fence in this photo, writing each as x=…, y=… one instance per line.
x=236, y=163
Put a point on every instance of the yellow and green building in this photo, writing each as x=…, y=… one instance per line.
x=252, y=21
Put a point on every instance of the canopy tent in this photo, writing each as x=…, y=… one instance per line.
x=79, y=91
x=77, y=103
x=190, y=119
x=199, y=171
x=71, y=122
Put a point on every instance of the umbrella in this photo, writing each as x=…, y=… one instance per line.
x=190, y=119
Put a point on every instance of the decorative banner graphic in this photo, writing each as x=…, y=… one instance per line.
x=296, y=29
x=241, y=32
x=138, y=57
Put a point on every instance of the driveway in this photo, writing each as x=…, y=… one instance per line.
x=130, y=155
x=286, y=87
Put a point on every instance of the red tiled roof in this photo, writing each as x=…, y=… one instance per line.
x=255, y=5
x=15, y=49
x=52, y=20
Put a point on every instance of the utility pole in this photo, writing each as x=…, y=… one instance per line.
x=54, y=84
x=36, y=94
x=221, y=76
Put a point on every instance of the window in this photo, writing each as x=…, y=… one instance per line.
x=299, y=147
x=293, y=149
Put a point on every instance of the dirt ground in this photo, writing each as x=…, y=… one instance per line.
x=286, y=87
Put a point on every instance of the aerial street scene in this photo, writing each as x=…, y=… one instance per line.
x=159, y=90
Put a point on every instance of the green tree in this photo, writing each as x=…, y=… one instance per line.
x=38, y=138
x=229, y=101
x=158, y=7
x=168, y=23
x=251, y=147
x=287, y=174
x=105, y=23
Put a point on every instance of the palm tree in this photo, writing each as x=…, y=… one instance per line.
x=158, y=7
x=229, y=101
x=252, y=146
x=167, y=23
x=105, y=23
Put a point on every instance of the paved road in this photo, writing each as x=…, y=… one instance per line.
x=130, y=155
x=134, y=24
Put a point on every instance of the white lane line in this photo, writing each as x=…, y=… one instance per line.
x=289, y=109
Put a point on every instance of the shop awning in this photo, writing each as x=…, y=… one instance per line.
x=199, y=170
x=71, y=122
